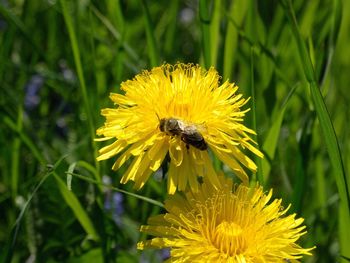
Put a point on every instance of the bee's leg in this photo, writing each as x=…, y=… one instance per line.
x=187, y=147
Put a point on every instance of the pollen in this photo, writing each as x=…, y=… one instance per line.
x=228, y=238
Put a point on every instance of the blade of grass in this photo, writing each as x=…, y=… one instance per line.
x=16, y=156
x=215, y=31
x=205, y=20
x=171, y=29
x=26, y=140
x=115, y=13
x=84, y=165
x=321, y=187
x=132, y=54
x=260, y=175
x=258, y=46
x=79, y=69
x=321, y=109
x=302, y=163
x=10, y=246
x=336, y=23
x=151, y=41
x=69, y=197
x=5, y=12
x=149, y=200
x=330, y=138
x=237, y=13
x=270, y=144
x=73, y=202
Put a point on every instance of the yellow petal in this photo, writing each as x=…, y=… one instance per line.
x=233, y=164
x=121, y=99
x=158, y=157
x=175, y=152
x=210, y=172
x=172, y=178
x=131, y=172
x=245, y=160
x=112, y=149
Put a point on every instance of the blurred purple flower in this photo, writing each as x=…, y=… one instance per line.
x=113, y=200
x=165, y=253
x=117, y=207
x=118, y=199
x=32, y=98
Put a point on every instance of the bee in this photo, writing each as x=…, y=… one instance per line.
x=188, y=133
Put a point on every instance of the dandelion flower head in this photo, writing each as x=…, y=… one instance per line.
x=180, y=110
x=226, y=225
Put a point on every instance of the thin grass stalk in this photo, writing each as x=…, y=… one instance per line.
x=205, y=20
x=237, y=13
x=79, y=69
x=12, y=18
x=171, y=29
x=151, y=41
x=215, y=31
x=117, y=35
x=15, y=156
x=72, y=201
x=259, y=175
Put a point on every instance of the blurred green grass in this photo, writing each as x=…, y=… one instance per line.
x=59, y=60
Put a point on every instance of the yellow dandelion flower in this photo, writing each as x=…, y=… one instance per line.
x=226, y=225
x=182, y=111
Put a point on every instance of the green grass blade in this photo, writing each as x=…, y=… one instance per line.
x=26, y=140
x=141, y=197
x=16, y=156
x=151, y=41
x=321, y=109
x=73, y=202
x=270, y=144
x=215, y=31
x=330, y=138
x=344, y=223
x=321, y=187
x=10, y=246
x=116, y=34
x=8, y=15
x=237, y=12
x=79, y=69
x=69, y=197
x=260, y=175
x=171, y=29
x=303, y=53
x=205, y=21
x=78, y=64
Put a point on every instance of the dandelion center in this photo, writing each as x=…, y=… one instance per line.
x=228, y=238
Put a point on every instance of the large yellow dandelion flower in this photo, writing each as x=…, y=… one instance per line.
x=239, y=225
x=181, y=110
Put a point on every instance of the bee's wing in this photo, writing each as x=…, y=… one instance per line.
x=192, y=135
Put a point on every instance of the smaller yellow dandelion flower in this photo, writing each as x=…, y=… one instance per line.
x=182, y=111
x=226, y=225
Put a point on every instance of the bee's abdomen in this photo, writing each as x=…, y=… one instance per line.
x=199, y=144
